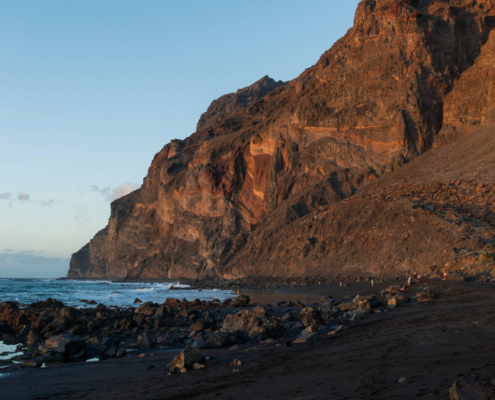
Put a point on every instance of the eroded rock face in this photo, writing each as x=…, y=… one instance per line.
x=267, y=184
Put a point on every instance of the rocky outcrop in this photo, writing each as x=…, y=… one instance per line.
x=281, y=178
x=230, y=104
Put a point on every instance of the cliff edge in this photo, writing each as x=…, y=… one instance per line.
x=368, y=161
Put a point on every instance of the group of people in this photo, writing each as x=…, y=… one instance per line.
x=409, y=280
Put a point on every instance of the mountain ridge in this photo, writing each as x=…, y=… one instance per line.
x=237, y=197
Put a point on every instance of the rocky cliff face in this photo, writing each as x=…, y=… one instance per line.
x=294, y=178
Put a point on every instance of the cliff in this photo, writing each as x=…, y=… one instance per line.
x=326, y=173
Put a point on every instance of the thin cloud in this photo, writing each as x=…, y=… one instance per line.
x=24, y=197
x=124, y=190
x=47, y=203
x=111, y=194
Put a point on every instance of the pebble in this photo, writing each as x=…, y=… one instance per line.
x=402, y=380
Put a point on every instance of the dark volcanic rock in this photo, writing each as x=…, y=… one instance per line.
x=472, y=387
x=187, y=358
x=66, y=344
x=255, y=324
x=214, y=340
x=311, y=317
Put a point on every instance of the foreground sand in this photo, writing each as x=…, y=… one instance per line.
x=429, y=344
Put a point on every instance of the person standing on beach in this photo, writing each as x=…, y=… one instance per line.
x=409, y=280
x=372, y=283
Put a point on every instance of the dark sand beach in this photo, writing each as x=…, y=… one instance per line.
x=429, y=344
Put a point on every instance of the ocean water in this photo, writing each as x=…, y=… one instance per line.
x=71, y=292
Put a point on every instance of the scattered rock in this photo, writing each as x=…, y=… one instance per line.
x=145, y=341
x=187, y=358
x=66, y=344
x=33, y=363
x=309, y=338
x=392, y=302
x=34, y=337
x=311, y=317
x=472, y=387
x=214, y=340
x=255, y=324
x=345, y=307
x=110, y=347
x=236, y=362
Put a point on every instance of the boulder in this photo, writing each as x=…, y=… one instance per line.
x=214, y=340
x=22, y=319
x=66, y=344
x=24, y=331
x=60, y=323
x=287, y=317
x=52, y=357
x=373, y=301
x=71, y=312
x=202, y=325
x=110, y=347
x=345, y=307
x=48, y=303
x=145, y=341
x=148, y=308
x=472, y=387
x=34, y=363
x=240, y=301
x=42, y=322
x=79, y=330
x=172, y=302
x=392, y=290
x=308, y=338
x=94, y=324
x=253, y=324
x=425, y=296
x=34, y=337
x=187, y=358
x=6, y=328
x=392, y=302
x=311, y=317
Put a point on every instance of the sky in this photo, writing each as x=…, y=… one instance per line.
x=91, y=90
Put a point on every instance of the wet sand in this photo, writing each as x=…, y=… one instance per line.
x=430, y=344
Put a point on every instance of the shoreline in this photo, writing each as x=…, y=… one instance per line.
x=428, y=344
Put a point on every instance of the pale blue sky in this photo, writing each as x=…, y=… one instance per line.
x=91, y=90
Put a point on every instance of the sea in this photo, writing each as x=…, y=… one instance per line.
x=71, y=292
